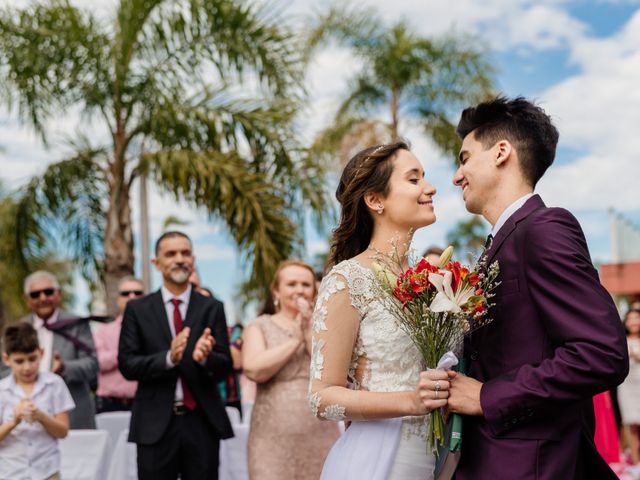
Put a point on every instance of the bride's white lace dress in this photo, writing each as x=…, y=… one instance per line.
x=358, y=347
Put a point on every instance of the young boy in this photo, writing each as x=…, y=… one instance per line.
x=34, y=410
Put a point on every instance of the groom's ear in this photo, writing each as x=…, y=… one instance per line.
x=503, y=151
x=373, y=200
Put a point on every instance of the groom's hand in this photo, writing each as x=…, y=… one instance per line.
x=464, y=395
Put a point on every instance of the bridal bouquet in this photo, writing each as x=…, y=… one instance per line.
x=436, y=305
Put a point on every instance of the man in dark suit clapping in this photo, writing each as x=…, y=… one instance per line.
x=174, y=343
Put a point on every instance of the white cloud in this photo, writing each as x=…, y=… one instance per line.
x=598, y=112
x=503, y=24
x=316, y=247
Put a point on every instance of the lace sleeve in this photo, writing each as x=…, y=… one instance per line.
x=335, y=330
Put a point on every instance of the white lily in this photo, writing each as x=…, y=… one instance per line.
x=445, y=300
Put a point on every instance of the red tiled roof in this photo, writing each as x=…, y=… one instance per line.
x=621, y=278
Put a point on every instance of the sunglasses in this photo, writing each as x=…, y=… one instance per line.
x=126, y=293
x=47, y=293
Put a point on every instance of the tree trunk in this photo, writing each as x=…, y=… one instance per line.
x=394, y=115
x=144, y=234
x=2, y=315
x=118, y=238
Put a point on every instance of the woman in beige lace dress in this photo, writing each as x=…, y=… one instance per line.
x=285, y=440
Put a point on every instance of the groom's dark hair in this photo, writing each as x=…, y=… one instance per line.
x=525, y=125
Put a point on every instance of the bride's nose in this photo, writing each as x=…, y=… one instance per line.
x=429, y=189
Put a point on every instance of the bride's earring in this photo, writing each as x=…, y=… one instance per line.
x=380, y=209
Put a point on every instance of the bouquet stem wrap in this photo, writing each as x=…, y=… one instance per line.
x=436, y=425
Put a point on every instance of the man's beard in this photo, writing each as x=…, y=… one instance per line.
x=179, y=276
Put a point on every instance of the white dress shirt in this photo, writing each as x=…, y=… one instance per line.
x=29, y=452
x=167, y=296
x=45, y=339
x=510, y=210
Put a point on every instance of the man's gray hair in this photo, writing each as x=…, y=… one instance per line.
x=129, y=278
x=40, y=275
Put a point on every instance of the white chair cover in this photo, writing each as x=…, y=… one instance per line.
x=234, y=415
x=233, y=455
x=114, y=423
x=84, y=455
x=247, y=408
x=123, y=459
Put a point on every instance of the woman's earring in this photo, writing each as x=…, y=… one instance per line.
x=276, y=302
x=380, y=209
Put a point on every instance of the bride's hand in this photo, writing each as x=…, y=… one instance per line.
x=432, y=391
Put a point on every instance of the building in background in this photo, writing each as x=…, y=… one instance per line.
x=621, y=277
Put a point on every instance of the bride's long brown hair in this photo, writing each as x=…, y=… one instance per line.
x=368, y=171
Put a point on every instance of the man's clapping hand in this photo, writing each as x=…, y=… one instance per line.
x=179, y=344
x=204, y=345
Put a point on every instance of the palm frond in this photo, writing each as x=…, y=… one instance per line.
x=65, y=203
x=340, y=141
x=252, y=208
x=364, y=95
x=49, y=52
x=213, y=120
x=242, y=39
x=344, y=23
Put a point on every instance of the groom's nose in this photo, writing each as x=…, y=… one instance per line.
x=458, y=177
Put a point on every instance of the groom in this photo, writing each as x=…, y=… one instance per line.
x=556, y=339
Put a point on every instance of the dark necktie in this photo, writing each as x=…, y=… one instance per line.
x=187, y=396
x=487, y=244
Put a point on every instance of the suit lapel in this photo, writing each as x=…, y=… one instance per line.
x=59, y=342
x=160, y=313
x=193, y=310
x=530, y=206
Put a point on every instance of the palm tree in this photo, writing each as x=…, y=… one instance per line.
x=405, y=77
x=199, y=95
x=13, y=270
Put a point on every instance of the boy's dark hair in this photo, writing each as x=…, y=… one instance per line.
x=170, y=234
x=20, y=338
x=525, y=125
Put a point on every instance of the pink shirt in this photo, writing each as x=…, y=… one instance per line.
x=111, y=383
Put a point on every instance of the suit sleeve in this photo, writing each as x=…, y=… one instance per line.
x=218, y=363
x=84, y=368
x=581, y=321
x=133, y=362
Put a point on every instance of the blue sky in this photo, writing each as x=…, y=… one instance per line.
x=579, y=59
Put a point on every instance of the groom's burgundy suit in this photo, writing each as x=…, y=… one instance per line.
x=555, y=341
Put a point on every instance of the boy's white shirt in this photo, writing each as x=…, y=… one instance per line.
x=29, y=451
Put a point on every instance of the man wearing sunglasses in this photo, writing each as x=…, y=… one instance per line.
x=115, y=393
x=67, y=343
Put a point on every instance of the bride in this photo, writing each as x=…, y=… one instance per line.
x=364, y=368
